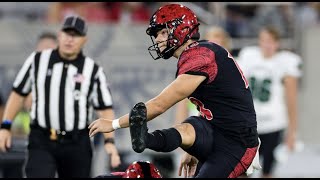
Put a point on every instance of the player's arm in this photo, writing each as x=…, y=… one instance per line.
x=179, y=89
x=182, y=111
x=291, y=91
x=293, y=73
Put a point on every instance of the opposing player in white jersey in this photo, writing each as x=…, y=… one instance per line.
x=273, y=77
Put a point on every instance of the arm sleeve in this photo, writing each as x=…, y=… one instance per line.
x=101, y=97
x=198, y=61
x=294, y=66
x=22, y=83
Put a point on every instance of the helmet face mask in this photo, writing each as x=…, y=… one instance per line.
x=170, y=45
x=181, y=23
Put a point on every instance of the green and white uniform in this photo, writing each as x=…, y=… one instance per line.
x=265, y=78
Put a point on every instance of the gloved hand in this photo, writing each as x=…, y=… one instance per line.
x=255, y=165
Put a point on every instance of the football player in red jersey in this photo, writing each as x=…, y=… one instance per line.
x=224, y=137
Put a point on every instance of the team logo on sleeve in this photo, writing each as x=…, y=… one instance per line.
x=78, y=78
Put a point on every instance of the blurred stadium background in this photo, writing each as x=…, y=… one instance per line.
x=117, y=40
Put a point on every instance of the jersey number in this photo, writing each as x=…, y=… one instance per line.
x=206, y=113
x=260, y=89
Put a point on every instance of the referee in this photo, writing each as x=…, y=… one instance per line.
x=66, y=86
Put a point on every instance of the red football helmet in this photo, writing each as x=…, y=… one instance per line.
x=142, y=169
x=182, y=24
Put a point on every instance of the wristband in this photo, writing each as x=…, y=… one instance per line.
x=115, y=124
x=109, y=140
x=6, y=124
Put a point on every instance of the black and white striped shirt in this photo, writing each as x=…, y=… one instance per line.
x=64, y=93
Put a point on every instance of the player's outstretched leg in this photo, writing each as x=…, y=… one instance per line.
x=138, y=127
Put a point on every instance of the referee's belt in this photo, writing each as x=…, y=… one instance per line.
x=55, y=134
x=66, y=135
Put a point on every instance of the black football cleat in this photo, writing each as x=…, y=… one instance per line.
x=138, y=127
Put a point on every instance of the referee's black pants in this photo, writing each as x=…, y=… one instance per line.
x=69, y=156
